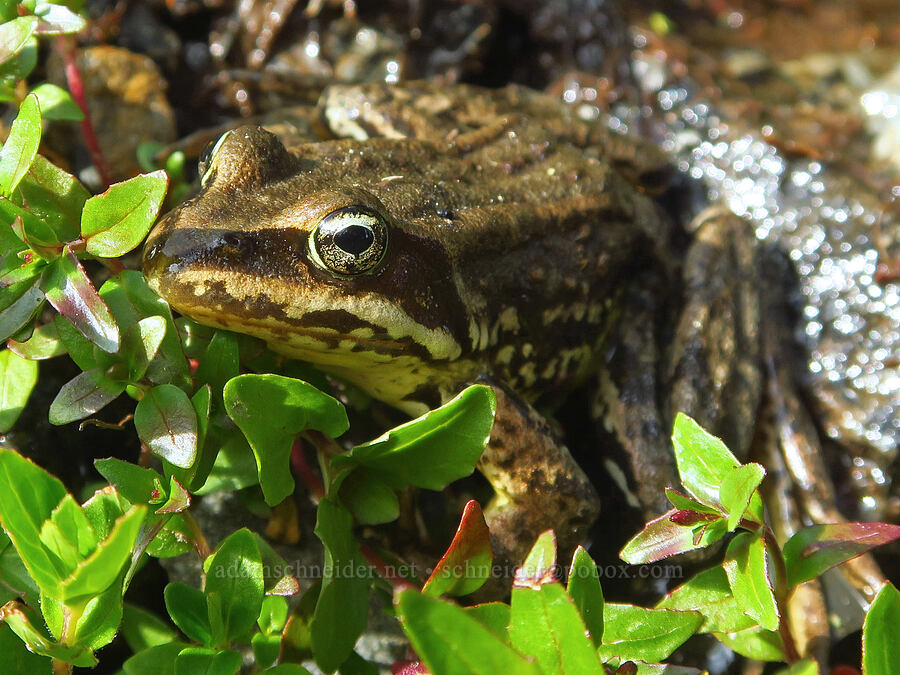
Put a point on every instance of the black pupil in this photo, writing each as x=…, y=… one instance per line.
x=354, y=239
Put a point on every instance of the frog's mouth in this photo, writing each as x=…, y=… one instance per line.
x=327, y=337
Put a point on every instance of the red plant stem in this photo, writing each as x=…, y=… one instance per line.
x=383, y=569
x=66, y=48
x=304, y=470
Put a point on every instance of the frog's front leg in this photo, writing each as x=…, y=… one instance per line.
x=538, y=484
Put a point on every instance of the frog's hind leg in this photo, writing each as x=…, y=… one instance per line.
x=716, y=372
x=538, y=484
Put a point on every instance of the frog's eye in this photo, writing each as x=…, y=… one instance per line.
x=207, y=163
x=351, y=240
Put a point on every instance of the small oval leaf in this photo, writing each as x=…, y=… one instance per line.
x=116, y=221
x=166, y=421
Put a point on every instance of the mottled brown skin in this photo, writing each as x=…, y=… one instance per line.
x=526, y=246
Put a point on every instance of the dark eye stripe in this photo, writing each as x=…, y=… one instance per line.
x=351, y=240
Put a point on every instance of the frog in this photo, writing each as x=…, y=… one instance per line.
x=431, y=236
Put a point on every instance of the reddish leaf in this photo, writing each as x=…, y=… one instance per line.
x=179, y=498
x=815, y=549
x=71, y=292
x=409, y=668
x=467, y=563
x=664, y=537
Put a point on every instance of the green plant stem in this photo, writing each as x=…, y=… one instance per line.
x=200, y=543
x=781, y=596
x=61, y=667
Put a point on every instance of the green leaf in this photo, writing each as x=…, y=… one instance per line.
x=371, y=501
x=812, y=550
x=737, y=489
x=544, y=621
x=54, y=196
x=296, y=640
x=674, y=532
x=142, y=629
x=201, y=661
x=802, y=667
x=140, y=344
x=466, y=565
x=433, y=450
x=166, y=421
x=95, y=574
x=279, y=581
x=709, y=593
x=21, y=145
x=343, y=605
x=357, y=665
x=546, y=625
x=748, y=576
x=265, y=649
x=17, y=379
x=14, y=35
x=585, y=590
x=134, y=482
x=17, y=618
x=219, y=363
x=57, y=19
x=79, y=348
x=639, y=634
x=102, y=511
x=235, y=572
x=44, y=343
x=68, y=534
x=754, y=643
x=881, y=649
x=72, y=294
x=271, y=410
x=273, y=615
x=235, y=467
x=452, y=643
x=83, y=395
x=116, y=221
x=157, y=660
x=492, y=615
x=22, y=309
x=703, y=460
x=28, y=496
x=14, y=578
x=19, y=67
x=130, y=299
x=56, y=103
x=288, y=669
x=15, y=657
x=187, y=607
x=175, y=538
x=99, y=622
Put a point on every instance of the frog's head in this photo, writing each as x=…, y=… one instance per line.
x=282, y=247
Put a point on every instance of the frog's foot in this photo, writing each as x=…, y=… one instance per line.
x=538, y=484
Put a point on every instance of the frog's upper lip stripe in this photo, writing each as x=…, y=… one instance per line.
x=329, y=338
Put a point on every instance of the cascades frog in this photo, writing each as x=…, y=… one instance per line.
x=432, y=237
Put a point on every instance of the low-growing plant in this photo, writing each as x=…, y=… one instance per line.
x=66, y=566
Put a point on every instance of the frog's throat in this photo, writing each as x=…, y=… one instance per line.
x=388, y=354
